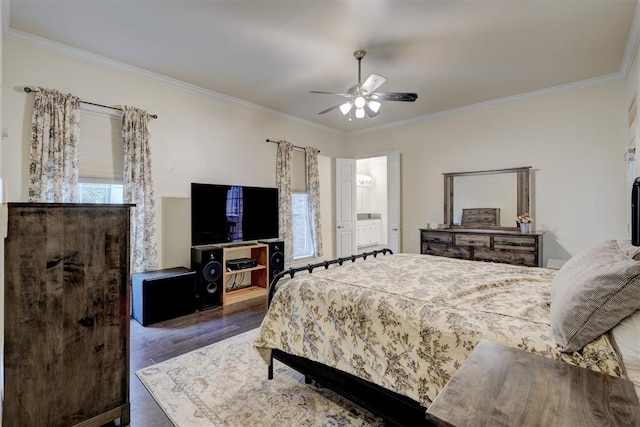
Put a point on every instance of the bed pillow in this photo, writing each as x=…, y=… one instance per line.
x=628, y=249
x=626, y=336
x=592, y=293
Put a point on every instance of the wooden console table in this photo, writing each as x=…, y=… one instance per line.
x=510, y=247
x=503, y=386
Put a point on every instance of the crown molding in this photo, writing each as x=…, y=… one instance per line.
x=506, y=100
x=632, y=42
x=82, y=55
x=40, y=42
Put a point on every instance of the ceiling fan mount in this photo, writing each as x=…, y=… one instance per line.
x=359, y=54
x=363, y=97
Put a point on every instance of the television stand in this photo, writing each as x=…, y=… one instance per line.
x=259, y=285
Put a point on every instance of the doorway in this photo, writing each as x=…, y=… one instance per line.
x=368, y=204
x=371, y=203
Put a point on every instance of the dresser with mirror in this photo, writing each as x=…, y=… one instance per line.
x=480, y=211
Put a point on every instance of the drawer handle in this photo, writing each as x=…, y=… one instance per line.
x=86, y=321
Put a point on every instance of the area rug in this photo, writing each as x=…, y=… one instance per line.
x=225, y=384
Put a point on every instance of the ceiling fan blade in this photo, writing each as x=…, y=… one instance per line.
x=329, y=93
x=394, y=96
x=329, y=109
x=373, y=82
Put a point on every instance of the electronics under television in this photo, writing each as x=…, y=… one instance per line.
x=232, y=213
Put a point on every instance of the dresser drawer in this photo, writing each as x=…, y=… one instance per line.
x=439, y=249
x=520, y=243
x=436, y=237
x=473, y=240
x=508, y=257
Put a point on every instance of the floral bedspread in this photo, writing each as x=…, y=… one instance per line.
x=407, y=322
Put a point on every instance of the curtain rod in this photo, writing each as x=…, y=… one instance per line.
x=294, y=146
x=27, y=89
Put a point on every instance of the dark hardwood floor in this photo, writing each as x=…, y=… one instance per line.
x=165, y=340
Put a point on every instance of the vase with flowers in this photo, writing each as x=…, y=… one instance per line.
x=524, y=222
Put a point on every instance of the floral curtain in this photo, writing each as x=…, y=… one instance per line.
x=313, y=197
x=284, y=158
x=138, y=188
x=53, y=169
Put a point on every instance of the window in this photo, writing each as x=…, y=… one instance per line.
x=101, y=158
x=302, y=223
x=95, y=192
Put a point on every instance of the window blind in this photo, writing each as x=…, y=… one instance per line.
x=298, y=172
x=101, y=152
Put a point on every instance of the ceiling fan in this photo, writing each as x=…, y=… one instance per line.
x=363, y=97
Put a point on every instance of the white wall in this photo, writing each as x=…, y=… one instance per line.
x=631, y=92
x=574, y=140
x=197, y=137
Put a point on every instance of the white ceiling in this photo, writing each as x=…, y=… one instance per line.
x=270, y=53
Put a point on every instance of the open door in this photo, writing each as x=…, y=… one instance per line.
x=394, y=234
x=346, y=244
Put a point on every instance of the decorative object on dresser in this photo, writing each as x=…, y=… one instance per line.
x=480, y=217
x=66, y=315
x=524, y=222
x=163, y=294
x=500, y=385
x=511, y=247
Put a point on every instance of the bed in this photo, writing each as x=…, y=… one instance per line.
x=389, y=331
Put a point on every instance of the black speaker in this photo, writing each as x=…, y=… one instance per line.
x=207, y=263
x=276, y=258
x=162, y=294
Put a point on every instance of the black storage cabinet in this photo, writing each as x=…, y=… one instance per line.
x=163, y=294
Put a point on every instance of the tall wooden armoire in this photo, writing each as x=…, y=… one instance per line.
x=66, y=326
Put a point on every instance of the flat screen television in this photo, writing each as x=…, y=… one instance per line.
x=232, y=213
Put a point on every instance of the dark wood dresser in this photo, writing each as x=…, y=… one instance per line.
x=66, y=315
x=510, y=247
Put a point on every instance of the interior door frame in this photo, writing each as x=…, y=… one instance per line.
x=393, y=230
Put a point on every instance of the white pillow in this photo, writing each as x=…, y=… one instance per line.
x=628, y=249
x=626, y=335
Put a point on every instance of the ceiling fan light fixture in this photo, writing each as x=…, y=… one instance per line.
x=363, y=96
x=345, y=108
x=374, y=106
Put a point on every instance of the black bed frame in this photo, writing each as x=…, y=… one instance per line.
x=394, y=408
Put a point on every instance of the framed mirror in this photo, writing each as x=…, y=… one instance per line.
x=486, y=199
